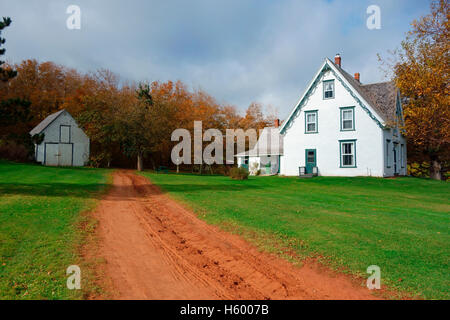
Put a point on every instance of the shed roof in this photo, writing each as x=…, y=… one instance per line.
x=46, y=122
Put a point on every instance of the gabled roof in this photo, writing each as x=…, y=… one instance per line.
x=46, y=122
x=382, y=96
x=379, y=100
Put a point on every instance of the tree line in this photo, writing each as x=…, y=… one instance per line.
x=125, y=121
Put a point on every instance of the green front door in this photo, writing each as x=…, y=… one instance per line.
x=269, y=168
x=310, y=160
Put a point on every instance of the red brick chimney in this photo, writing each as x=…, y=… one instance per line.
x=358, y=77
x=277, y=123
x=338, y=60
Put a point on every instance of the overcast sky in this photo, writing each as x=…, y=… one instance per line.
x=238, y=51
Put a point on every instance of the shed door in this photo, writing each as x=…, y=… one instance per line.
x=65, y=152
x=51, y=154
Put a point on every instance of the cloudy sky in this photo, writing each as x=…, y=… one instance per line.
x=237, y=50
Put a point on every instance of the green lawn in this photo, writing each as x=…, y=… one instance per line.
x=40, y=229
x=402, y=225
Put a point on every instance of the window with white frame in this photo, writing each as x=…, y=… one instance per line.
x=347, y=119
x=328, y=89
x=348, y=157
x=311, y=121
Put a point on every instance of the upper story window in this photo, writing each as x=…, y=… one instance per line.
x=328, y=89
x=64, y=134
x=348, y=119
x=311, y=122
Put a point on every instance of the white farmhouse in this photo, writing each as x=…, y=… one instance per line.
x=341, y=127
x=64, y=143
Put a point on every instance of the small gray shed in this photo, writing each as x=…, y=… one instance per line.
x=64, y=144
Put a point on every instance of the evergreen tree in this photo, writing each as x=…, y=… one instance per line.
x=5, y=74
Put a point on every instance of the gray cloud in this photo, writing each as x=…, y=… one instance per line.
x=239, y=51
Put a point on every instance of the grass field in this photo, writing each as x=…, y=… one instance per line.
x=402, y=225
x=39, y=227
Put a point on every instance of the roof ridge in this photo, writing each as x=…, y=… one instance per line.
x=46, y=122
x=374, y=83
x=356, y=81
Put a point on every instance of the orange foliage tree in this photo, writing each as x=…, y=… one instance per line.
x=46, y=85
x=421, y=72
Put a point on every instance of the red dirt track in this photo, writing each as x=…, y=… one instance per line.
x=156, y=249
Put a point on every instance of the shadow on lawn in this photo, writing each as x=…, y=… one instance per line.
x=53, y=189
x=179, y=188
x=94, y=190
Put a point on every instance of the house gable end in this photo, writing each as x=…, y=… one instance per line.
x=76, y=124
x=328, y=66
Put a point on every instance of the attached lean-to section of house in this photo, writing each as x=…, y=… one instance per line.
x=341, y=127
x=265, y=157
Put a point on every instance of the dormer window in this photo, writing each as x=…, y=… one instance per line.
x=328, y=89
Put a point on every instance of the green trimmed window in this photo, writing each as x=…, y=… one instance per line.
x=348, y=153
x=328, y=89
x=348, y=119
x=311, y=122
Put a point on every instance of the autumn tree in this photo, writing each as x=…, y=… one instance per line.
x=46, y=85
x=254, y=118
x=95, y=106
x=421, y=71
x=144, y=124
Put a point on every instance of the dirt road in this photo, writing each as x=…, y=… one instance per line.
x=156, y=249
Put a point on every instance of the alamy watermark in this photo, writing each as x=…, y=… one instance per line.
x=374, y=19
x=73, y=22
x=374, y=280
x=74, y=279
x=236, y=143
